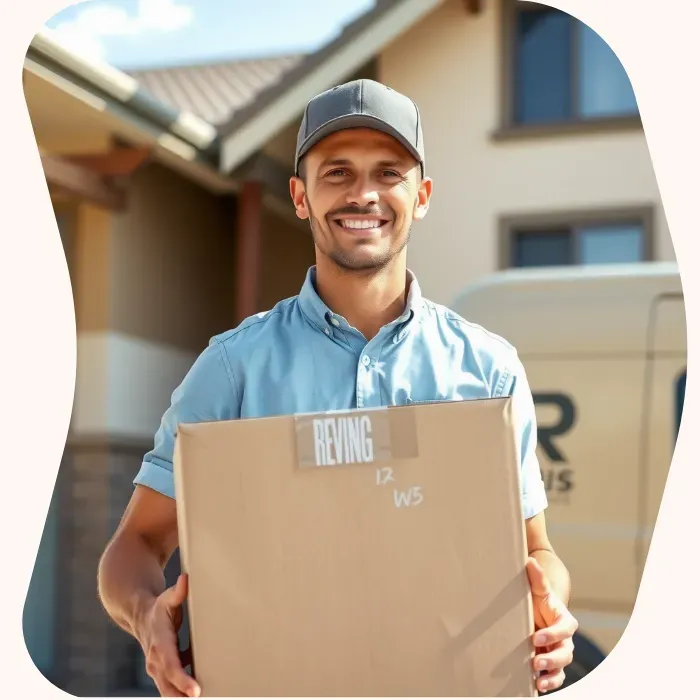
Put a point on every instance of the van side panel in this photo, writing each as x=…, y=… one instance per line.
x=665, y=393
x=590, y=464
x=605, y=352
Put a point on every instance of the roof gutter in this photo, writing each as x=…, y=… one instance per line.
x=125, y=89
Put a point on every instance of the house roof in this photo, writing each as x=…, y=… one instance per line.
x=227, y=93
x=216, y=92
x=349, y=33
x=282, y=102
x=228, y=110
x=47, y=53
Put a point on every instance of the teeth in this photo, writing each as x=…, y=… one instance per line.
x=348, y=223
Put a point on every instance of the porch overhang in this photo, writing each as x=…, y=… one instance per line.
x=67, y=178
x=90, y=119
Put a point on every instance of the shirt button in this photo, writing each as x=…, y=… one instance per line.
x=365, y=361
x=335, y=322
x=326, y=331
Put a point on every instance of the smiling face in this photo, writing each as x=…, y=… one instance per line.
x=361, y=191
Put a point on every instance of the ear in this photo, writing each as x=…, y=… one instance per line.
x=425, y=191
x=298, y=191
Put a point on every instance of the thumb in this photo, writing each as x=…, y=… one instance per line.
x=539, y=583
x=176, y=595
x=552, y=610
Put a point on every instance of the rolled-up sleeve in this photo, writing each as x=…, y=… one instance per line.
x=207, y=393
x=533, y=491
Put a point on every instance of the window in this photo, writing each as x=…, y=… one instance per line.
x=575, y=239
x=560, y=70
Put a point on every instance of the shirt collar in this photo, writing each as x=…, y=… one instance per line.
x=320, y=315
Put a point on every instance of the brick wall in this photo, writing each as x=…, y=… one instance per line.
x=94, y=657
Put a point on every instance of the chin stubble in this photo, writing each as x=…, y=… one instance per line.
x=346, y=262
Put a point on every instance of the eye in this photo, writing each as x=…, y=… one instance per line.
x=390, y=173
x=336, y=173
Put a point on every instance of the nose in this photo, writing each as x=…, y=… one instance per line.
x=362, y=193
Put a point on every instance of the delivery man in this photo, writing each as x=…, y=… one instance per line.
x=374, y=339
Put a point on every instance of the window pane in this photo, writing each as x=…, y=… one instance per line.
x=542, y=66
x=604, y=88
x=611, y=244
x=542, y=249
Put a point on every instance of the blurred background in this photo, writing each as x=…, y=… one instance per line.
x=166, y=130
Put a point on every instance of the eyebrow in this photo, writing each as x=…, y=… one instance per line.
x=344, y=161
x=334, y=161
x=395, y=163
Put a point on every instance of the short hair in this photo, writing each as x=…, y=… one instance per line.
x=302, y=169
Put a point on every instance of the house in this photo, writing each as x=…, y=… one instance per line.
x=170, y=188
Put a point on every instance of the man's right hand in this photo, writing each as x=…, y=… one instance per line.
x=157, y=632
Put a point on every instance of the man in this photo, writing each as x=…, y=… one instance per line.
x=359, y=334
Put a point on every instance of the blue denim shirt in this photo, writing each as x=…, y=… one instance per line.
x=300, y=357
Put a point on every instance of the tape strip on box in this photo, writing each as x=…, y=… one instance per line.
x=355, y=437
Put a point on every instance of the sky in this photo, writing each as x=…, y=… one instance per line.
x=152, y=33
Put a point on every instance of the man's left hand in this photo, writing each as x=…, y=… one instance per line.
x=554, y=630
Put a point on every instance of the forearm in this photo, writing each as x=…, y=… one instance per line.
x=556, y=573
x=130, y=578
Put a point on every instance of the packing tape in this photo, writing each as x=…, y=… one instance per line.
x=355, y=437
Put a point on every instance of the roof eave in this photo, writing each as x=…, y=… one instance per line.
x=106, y=81
x=170, y=149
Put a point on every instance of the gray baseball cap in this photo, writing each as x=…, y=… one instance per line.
x=361, y=103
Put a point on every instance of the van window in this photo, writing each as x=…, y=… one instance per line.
x=680, y=398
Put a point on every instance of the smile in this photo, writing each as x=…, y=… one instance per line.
x=361, y=225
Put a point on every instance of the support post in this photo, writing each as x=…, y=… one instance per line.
x=249, y=232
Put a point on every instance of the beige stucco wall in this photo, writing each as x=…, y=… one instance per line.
x=172, y=264
x=152, y=284
x=449, y=64
x=163, y=270
x=91, y=239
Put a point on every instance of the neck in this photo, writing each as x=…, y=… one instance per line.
x=368, y=300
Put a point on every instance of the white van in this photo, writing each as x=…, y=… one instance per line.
x=605, y=352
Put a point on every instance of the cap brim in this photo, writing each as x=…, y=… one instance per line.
x=354, y=121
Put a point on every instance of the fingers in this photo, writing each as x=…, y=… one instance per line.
x=183, y=683
x=558, y=658
x=164, y=665
x=164, y=661
x=172, y=670
x=176, y=595
x=551, y=665
x=177, y=684
x=557, y=622
x=168, y=690
x=549, y=682
x=561, y=630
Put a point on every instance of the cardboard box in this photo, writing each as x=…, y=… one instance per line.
x=357, y=553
